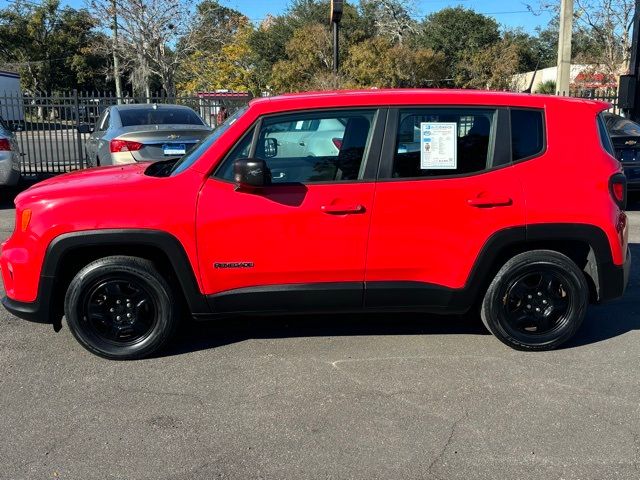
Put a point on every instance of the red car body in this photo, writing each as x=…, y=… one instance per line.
x=407, y=233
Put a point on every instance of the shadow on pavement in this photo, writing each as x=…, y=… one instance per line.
x=615, y=318
x=601, y=323
x=201, y=336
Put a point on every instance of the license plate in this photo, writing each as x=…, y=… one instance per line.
x=170, y=149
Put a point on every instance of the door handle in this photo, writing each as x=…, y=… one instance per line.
x=490, y=201
x=342, y=209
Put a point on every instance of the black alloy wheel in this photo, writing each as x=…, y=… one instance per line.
x=120, y=308
x=537, y=301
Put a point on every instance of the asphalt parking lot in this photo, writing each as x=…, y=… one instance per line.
x=331, y=397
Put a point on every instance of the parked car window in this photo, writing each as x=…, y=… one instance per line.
x=527, y=133
x=620, y=126
x=104, y=124
x=442, y=141
x=191, y=156
x=312, y=147
x=159, y=116
x=605, y=139
x=100, y=120
x=4, y=126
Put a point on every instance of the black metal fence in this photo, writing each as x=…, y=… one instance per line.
x=605, y=95
x=46, y=125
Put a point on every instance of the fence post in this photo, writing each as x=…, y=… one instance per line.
x=76, y=101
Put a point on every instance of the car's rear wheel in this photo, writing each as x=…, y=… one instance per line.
x=537, y=301
x=120, y=308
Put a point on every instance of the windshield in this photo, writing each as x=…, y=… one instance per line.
x=159, y=116
x=187, y=160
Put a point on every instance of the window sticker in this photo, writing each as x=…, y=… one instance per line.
x=438, y=146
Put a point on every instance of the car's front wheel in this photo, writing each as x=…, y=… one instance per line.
x=120, y=308
x=537, y=301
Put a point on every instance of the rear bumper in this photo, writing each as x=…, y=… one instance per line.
x=613, y=279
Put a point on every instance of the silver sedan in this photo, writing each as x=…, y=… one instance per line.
x=9, y=156
x=142, y=132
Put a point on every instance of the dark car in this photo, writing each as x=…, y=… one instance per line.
x=625, y=136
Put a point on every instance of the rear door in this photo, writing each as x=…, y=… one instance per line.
x=446, y=186
x=299, y=243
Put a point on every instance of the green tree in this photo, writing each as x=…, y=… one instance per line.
x=308, y=63
x=378, y=62
x=229, y=67
x=493, y=67
x=458, y=32
x=50, y=46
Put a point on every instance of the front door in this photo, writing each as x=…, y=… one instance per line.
x=299, y=243
x=446, y=186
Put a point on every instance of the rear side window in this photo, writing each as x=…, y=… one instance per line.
x=443, y=141
x=605, y=139
x=527, y=133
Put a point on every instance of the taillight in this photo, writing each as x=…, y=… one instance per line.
x=618, y=189
x=5, y=144
x=117, y=145
x=337, y=142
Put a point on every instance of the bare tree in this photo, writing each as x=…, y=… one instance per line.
x=393, y=18
x=608, y=22
x=154, y=37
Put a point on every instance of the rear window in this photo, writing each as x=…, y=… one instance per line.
x=527, y=133
x=604, y=137
x=160, y=116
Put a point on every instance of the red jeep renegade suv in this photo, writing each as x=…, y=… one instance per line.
x=393, y=200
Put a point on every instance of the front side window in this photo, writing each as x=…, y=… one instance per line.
x=443, y=141
x=310, y=147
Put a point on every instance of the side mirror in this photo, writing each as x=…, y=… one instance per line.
x=85, y=128
x=251, y=173
x=270, y=147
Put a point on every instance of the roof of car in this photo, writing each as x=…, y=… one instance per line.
x=407, y=96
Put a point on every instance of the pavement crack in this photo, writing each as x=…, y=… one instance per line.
x=447, y=443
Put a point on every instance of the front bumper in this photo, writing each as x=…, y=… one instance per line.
x=40, y=310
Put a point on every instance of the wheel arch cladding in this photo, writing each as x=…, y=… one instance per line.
x=68, y=253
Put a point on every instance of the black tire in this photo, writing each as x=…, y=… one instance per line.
x=120, y=308
x=530, y=314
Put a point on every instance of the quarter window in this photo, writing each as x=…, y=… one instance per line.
x=527, y=133
x=443, y=141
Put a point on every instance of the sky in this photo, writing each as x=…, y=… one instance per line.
x=512, y=13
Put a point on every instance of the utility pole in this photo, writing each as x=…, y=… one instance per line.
x=335, y=17
x=116, y=60
x=564, y=47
